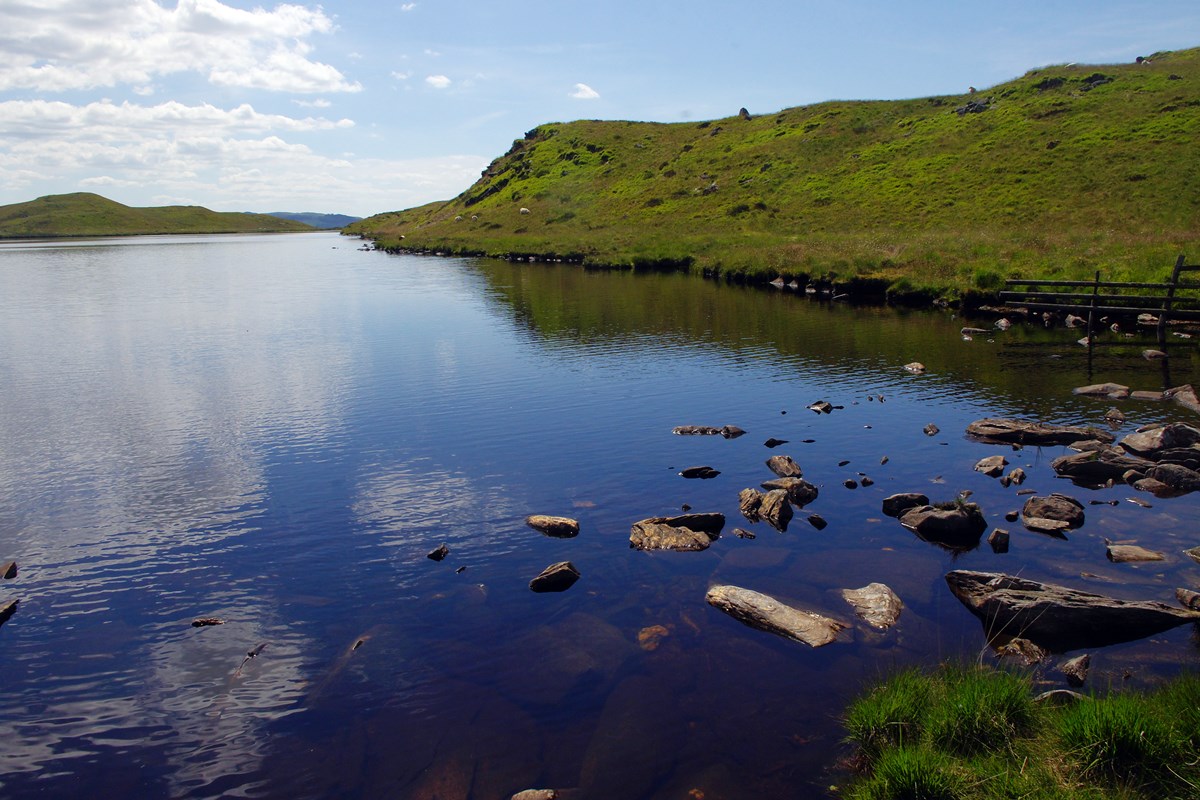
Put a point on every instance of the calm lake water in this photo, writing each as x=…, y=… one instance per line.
x=276, y=430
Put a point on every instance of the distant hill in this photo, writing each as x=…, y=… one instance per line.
x=324, y=222
x=87, y=214
x=1062, y=171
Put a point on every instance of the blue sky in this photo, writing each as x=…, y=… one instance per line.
x=361, y=107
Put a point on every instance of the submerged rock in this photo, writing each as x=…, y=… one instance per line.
x=1124, y=553
x=768, y=614
x=555, y=578
x=876, y=604
x=1056, y=617
x=784, y=467
x=1013, y=431
x=773, y=442
x=1113, y=391
x=558, y=527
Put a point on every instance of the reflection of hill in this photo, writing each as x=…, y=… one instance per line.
x=1026, y=368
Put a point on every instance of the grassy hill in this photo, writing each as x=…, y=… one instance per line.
x=1063, y=171
x=86, y=214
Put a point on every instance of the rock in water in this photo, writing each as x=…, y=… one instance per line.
x=9, y=571
x=1056, y=617
x=915, y=367
x=768, y=614
x=784, y=467
x=7, y=610
x=555, y=578
x=1193, y=554
x=1053, y=514
x=438, y=553
x=897, y=504
x=876, y=604
x=799, y=491
x=1124, y=553
x=683, y=533
x=1076, y=670
x=1012, y=431
x=704, y=472
x=992, y=466
x=749, y=503
x=1152, y=441
x=776, y=510
x=956, y=526
x=558, y=527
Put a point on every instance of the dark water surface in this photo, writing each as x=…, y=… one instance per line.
x=275, y=430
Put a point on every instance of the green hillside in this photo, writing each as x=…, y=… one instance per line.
x=1062, y=171
x=86, y=214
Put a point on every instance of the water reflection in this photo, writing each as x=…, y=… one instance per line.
x=276, y=430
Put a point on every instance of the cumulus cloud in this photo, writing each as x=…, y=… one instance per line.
x=407, y=6
x=83, y=44
x=438, y=81
x=584, y=92
x=236, y=159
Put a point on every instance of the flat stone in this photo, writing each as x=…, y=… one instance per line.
x=688, y=532
x=558, y=527
x=875, y=604
x=535, y=794
x=1110, y=390
x=768, y=614
x=701, y=472
x=1185, y=396
x=1123, y=553
x=555, y=578
x=1059, y=618
x=1013, y=431
x=1146, y=395
x=915, y=367
x=1096, y=468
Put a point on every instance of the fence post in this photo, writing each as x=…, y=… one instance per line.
x=1168, y=301
x=1092, y=309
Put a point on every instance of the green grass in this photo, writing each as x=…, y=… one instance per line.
x=86, y=214
x=1055, y=178
x=972, y=733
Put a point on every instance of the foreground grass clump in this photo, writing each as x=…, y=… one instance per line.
x=963, y=733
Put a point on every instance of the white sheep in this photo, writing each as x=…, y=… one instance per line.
x=524, y=210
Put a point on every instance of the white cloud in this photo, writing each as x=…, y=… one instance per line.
x=320, y=102
x=438, y=81
x=407, y=6
x=584, y=92
x=401, y=76
x=81, y=44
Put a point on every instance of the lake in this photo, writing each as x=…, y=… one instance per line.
x=276, y=430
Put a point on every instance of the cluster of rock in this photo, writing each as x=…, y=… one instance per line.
x=1162, y=459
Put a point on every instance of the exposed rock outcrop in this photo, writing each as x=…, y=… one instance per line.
x=1013, y=431
x=1056, y=617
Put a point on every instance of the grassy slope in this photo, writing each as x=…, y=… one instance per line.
x=1057, y=178
x=86, y=214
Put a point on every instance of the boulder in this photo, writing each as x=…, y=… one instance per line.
x=749, y=502
x=1183, y=456
x=998, y=539
x=555, y=578
x=768, y=614
x=875, y=604
x=1076, y=670
x=821, y=407
x=1185, y=396
x=1123, y=553
x=1176, y=476
x=992, y=466
x=1097, y=467
x=1053, y=514
x=682, y=533
x=558, y=527
x=784, y=467
x=1148, y=443
x=1013, y=431
x=1056, y=617
x=956, y=526
x=915, y=367
x=799, y=491
x=732, y=431
x=897, y=504
x=775, y=509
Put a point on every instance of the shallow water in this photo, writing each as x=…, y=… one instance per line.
x=275, y=430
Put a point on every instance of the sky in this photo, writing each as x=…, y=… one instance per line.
x=363, y=107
